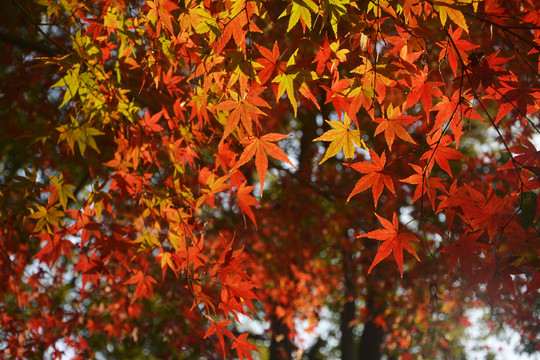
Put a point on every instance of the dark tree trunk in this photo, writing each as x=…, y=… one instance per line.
x=281, y=348
x=372, y=336
x=349, y=309
x=370, y=342
x=347, y=337
x=313, y=352
x=309, y=132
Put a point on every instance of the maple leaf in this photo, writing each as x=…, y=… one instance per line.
x=451, y=12
x=322, y=55
x=465, y=248
x=220, y=329
x=394, y=241
x=213, y=185
x=449, y=50
x=496, y=270
x=440, y=152
x=246, y=111
x=300, y=9
x=269, y=62
x=527, y=157
x=482, y=210
x=166, y=261
x=361, y=97
x=452, y=199
x=294, y=79
x=243, y=347
x=424, y=184
x=422, y=89
x=392, y=125
x=246, y=200
x=334, y=94
x=151, y=123
x=519, y=97
x=48, y=217
x=336, y=11
x=375, y=179
x=235, y=26
x=341, y=137
x=144, y=286
x=452, y=111
x=160, y=11
x=64, y=191
x=259, y=147
x=374, y=76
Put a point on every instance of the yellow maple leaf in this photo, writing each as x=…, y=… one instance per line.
x=447, y=9
x=341, y=137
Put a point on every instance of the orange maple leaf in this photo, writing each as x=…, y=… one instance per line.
x=242, y=110
x=375, y=179
x=260, y=147
x=392, y=125
x=246, y=200
x=394, y=242
x=160, y=10
x=144, y=288
x=270, y=63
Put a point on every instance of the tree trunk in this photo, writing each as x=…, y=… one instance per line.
x=281, y=348
x=370, y=342
x=372, y=336
x=349, y=309
x=347, y=339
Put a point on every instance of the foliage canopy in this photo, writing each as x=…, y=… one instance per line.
x=165, y=171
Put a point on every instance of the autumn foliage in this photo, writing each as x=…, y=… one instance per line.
x=169, y=169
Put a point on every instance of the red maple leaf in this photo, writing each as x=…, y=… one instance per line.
x=334, y=94
x=243, y=347
x=393, y=240
x=482, y=211
x=440, y=152
x=453, y=198
x=453, y=110
x=449, y=50
x=220, y=329
x=465, y=248
x=424, y=183
x=527, y=156
x=376, y=178
x=323, y=55
x=422, y=89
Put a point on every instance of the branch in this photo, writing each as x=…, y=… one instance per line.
x=28, y=45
